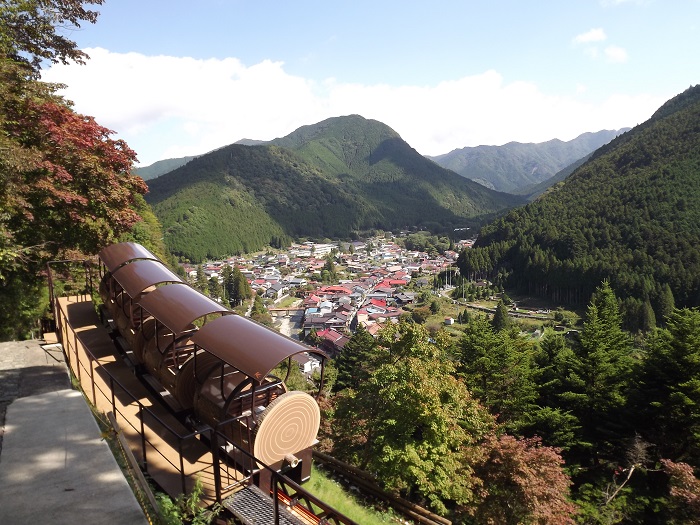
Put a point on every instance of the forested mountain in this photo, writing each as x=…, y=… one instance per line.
x=161, y=167
x=516, y=167
x=535, y=191
x=631, y=214
x=340, y=176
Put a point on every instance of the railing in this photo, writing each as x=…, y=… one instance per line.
x=226, y=455
x=86, y=371
x=72, y=282
x=288, y=493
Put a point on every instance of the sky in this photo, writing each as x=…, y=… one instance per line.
x=180, y=77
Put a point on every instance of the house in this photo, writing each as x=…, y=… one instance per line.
x=312, y=301
x=320, y=322
x=332, y=341
x=276, y=290
x=307, y=363
x=405, y=298
x=377, y=303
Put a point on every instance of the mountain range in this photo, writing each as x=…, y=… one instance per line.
x=521, y=169
x=333, y=179
x=517, y=168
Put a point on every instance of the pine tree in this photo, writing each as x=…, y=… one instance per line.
x=501, y=319
x=669, y=388
x=666, y=304
x=200, y=282
x=353, y=362
x=598, y=374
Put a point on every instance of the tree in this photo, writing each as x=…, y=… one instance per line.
x=411, y=422
x=668, y=397
x=260, y=313
x=214, y=289
x=354, y=360
x=524, y=482
x=556, y=426
x=78, y=194
x=598, y=374
x=420, y=314
x=200, y=280
x=497, y=369
x=65, y=187
x=684, y=490
x=501, y=319
x=29, y=29
x=236, y=286
x=312, y=338
x=666, y=304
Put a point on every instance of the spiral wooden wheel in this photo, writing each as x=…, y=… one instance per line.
x=288, y=425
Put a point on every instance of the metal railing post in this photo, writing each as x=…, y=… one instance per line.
x=92, y=380
x=143, y=439
x=182, y=465
x=111, y=388
x=275, y=498
x=214, y=439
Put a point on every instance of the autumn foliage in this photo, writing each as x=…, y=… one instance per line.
x=79, y=193
x=524, y=482
x=65, y=184
x=684, y=491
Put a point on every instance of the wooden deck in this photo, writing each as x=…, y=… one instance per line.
x=109, y=382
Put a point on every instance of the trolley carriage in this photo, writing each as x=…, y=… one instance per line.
x=216, y=364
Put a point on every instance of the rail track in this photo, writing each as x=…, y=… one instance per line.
x=368, y=485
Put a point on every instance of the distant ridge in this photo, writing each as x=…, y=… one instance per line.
x=516, y=167
x=161, y=167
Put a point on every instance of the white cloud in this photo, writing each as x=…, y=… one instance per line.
x=593, y=35
x=615, y=54
x=171, y=107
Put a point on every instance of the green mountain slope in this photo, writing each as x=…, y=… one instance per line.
x=535, y=191
x=340, y=176
x=161, y=167
x=631, y=214
x=515, y=167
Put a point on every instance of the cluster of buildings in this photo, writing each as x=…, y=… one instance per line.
x=377, y=274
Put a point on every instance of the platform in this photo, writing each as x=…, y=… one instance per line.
x=54, y=465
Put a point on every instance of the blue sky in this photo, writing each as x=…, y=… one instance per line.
x=178, y=77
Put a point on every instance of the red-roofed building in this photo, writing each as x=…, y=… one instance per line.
x=334, y=290
x=332, y=341
x=312, y=301
x=381, y=303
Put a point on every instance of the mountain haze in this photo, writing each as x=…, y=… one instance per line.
x=332, y=179
x=630, y=214
x=516, y=167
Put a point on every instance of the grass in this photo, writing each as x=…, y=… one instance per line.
x=334, y=494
